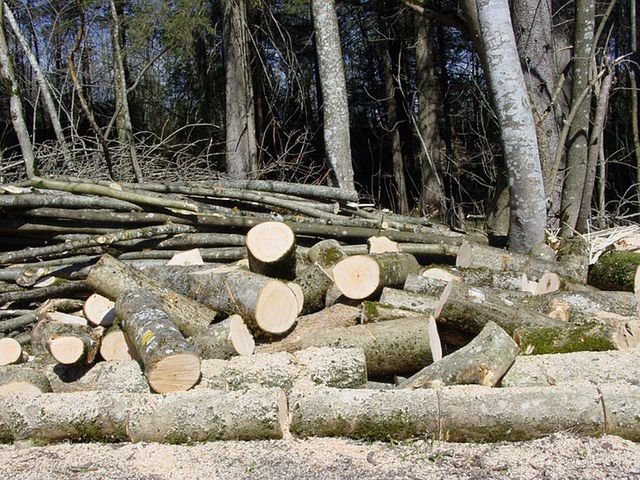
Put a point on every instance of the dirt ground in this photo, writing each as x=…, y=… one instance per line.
x=560, y=456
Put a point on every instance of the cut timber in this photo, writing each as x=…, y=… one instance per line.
x=574, y=255
x=371, y=312
x=616, y=271
x=314, y=283
x=466, y=413
x=416, y=302
x=549, y=282
x=271, y=247
x=469, y=309
x=113, y=279
x=362, y=276
x=299, y=293
x=558, y=369
x=267, y=306
x=99, y=310
x=393, y=347
x=381, y=245
x=190, y=257
x=438, y=273
x=475, y=255
x=170, y=363
x=48, y=320
x=335, y=316
x=10, y=352
x=21, y=379
x=224, y=340
x=326, y=253
x=73, y=344
x=333, y=367
x=116, y=346
x=483, y=361
x=114, y=376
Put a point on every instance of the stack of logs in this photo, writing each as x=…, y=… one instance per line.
x=251, y=310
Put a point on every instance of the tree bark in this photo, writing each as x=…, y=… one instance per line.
x=224, y=339
x=21, y=379
x=616, y=271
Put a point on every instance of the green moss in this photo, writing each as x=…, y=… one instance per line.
x=582, y=338
x=330, y=256
x=615, y=271
x=177, y=438
x=370, y=310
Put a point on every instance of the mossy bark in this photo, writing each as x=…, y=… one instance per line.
x=615, y=271
x=215, y=341
x=416, y=302
x=90, y=338
x=315, y=282
x=22, y=374
x=326, y=253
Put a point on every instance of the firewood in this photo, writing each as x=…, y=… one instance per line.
x=116, y=346
x=21, y=379
x=113, y=279
x=299, y=294
x=616, y=271
x=30, y=200
x=189, y=257
x=113, y=376
x=271, y=247
x=381, y=245
x=224, y=339
x=99, y=310
x=483, y=361
x=371, y=312
x=417, y=283
x=46, y=321
x=10, y=352
x=362, y=276
x=71, y=344
x=170, y=362
x=416, y=302
x=620, y=367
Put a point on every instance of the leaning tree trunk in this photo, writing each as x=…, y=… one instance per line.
x=15, y=102
x=241, y=150
x=517, y=128
x=577, y=148
x=334, y=92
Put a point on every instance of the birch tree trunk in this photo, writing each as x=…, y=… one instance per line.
x=334, y=92
x=517, y=127
x=15, y=101
x=635, y=129
x=241, y=149
x=577, y=147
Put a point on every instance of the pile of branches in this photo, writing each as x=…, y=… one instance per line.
x=249, y=309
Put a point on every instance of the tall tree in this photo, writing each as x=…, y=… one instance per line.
x=241, y=146
x=335, y=105
x=517, y=127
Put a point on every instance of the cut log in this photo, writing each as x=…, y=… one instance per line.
x=10, y=352
x=416, y=302
x=439, y=273
x=371, y=312
x=299, y=293
x=21, y=379
x=483, y=361
x=224, y=340
x=40, y=333
x=190, y=257
x=469, y=309
x=466, y=413
x=616, y=271
x=116, y=346
x=394, y=347
x=271, y=247
x=114, y=376
x=334, y=367
x=267, y=306
x=478, y=256
x=574, y=255
x=362, y=276
x=73, y=344
x=381, y=245
x=326, y=253
x=170, y=362
x=113, y=279
x=314, y=284
x=557, y=369
x=99, y=310
x=335, y=316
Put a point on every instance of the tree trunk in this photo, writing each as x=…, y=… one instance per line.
x=241, y=146
x=517, y=127
x=577, y=147
x=616, y=271
x=21, y=379
x=335, y=106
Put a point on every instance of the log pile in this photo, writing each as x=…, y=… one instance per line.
x=188, y=312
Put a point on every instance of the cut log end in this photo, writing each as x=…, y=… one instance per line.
x=174, y=373
x=440, y=274
x=548, y=283
x=115, y=346
x=283, y=412
x=241, y=337
x=99, y=310
x=19, y=388
x=67, y=350
x=10, y=352
x=277, y=308
x=270, y=241
x=357, y=277
x=189, y=257
x=297, y=291
x=382, y=245
x=443, y=300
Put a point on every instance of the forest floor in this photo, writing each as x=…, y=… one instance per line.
x=559, y=456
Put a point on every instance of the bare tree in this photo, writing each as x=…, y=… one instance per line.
x=635, y=129
x=334, y=92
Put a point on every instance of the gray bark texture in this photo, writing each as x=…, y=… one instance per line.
x=13, y=377
x=241, y=150
x=90, y=338
x=334, y=92
x=217, y=340
x=425, y=303
x=114, y=376
x=315, y=282
x=517, y=127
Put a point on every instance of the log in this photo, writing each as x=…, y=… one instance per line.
x=466, y=413
x=381, y=245
x=10, y=352
x=335, y=316
x=416, y=302
x=181, y=417
x=326, y=253
x=207, y=254
x=417, y=283
x=271, y=247
x=616, y=271
x=267, y=306
x=224, y=339
x=31, y=200
x=99, y=310
x=334, y=367
x=170, y=362
x=469, y=309
x=621, y=367
x=73, y=344
x=362, y=276
x=21, y=379
x=188, y=257
x=62, y=288
x=483, y=361
x=314, y=283
x=113, y=279
x=475, y=255
x=114, y=376
x=116, y=346
x=47, y=322
x=371, y=312
x=574, y=255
